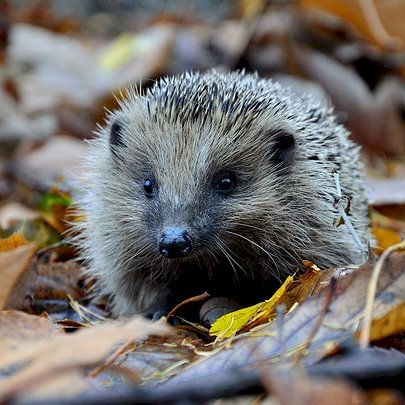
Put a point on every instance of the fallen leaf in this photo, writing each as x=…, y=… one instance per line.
x=339, y=323
x=381, y=396
x=233, y=322
x=309, y=284
x=59, y=156
x=370, y=20
x=13, y=263
x=385, y=237
x=72, y=351
x=17, y=327
x=375, y=123
x=130, y=58
x=67, y=384
x=16, y=127
x=392, y=323
x=35, y=230
x=46, y=280
x=15, y=240
x=55, y=207
x=64, y=60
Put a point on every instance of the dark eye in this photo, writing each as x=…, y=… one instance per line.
x=225, y=183
x=149, y=186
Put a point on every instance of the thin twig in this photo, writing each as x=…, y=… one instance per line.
x=196, y=298
x=111, y=359
x=364, y=339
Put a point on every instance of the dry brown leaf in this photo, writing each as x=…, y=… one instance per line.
x=394, y=216
x=383, y=221
x=307, y=285
x=59, y=156
x=85, y=347
x=17, y=327
x=386, y=114
x=275, y=343
x=15, y=125
x=381, y=22
x=13, y=263
x=75, y=78
x=46, y=280
x=57, y=218
x=249, y=9
x=373, y=117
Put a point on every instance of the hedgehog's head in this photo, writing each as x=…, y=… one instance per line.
x=201, y=166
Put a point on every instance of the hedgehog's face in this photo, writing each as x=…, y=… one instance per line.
x=202, y=191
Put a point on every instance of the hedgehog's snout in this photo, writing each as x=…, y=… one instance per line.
x=175, y=243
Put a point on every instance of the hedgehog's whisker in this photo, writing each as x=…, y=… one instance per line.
x=211, y=261
x=279, y=247
x=255, y=244
x=229, y=255
x=140, y=256
x=91, y=191
x=226, y=254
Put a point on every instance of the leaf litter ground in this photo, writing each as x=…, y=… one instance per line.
x=295, y=345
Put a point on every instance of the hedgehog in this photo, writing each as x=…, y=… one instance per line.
x=217, y=182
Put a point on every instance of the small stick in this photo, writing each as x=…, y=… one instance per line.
x=364, y=339
x=196, y=298
x=111, y=359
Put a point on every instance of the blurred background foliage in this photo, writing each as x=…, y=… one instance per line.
x=63, y=62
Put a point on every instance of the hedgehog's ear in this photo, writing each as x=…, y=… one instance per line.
x=283, y=148
x=116, y=136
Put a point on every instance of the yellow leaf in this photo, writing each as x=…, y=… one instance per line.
x=386, y=237
x=117, y=53
x=13, y=241
x=392, y=323
x=229, y=324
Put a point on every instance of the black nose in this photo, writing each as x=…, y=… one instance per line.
x=175, y=242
